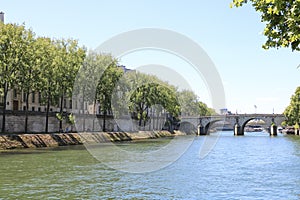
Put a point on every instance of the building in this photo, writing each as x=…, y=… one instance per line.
x=2, y=16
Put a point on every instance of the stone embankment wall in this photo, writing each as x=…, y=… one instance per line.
x=15, y=123
x=13, y=141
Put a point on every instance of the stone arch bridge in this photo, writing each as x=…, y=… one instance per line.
x=201, y=125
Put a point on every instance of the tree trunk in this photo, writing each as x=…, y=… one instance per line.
x=47, y=111
x=157, y=120
x=83, y=125
x=141, y=118
x=4, y=108
x=61, y=112
x=145, y=120
x=104, y=121
x=26, y=112
x=94, y=116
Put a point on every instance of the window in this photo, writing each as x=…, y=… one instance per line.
x=65, y=103
x=33, y=97
x=39, y=109
x=70, y=106
x=24, y=107
x=32, y=108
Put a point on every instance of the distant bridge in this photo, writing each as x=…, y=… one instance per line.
x=202, y=124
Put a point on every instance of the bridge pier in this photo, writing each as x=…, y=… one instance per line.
x=273, y=130
x=201, y=130
x=238, y=130
x=297, y=131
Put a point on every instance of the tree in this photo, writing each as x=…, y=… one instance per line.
x=141, y=100
x=189, y=104
x=49, y=83
x=167, y=97
x=28, y=79
x=69, y=58
x=14, y=40
x=204, y=110
x=282, y=21
x=87, y=81
x=148, y=92
x=292, y=112
x=107, y=83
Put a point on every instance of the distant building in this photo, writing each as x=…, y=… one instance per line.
x=2, y=16
x=225, y=111
x=16, y=101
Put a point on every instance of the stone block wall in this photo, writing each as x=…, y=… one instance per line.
x=15, y=123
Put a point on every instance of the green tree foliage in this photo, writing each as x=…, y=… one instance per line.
x=32, y=64
x=46, y=55
x=87, y=86
x=145, y=96
x=28, y=79
x=149, y=94
x=204, y=110
x=105, y=89
x=191, y=106
x=14, y=41
x=292, y=112
x=69, y=58
x=282, y=21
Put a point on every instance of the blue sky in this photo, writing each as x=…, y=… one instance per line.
x=231, y=37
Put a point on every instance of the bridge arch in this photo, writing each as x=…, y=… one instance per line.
x=244, y=123
x=187, y=127
x=206, y=128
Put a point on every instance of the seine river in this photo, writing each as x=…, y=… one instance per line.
x=254, y=166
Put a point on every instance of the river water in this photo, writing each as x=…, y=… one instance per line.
x=254, y=166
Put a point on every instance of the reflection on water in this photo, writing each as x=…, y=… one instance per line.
x=254, y=166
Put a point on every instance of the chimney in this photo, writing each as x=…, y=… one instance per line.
x=2, y=17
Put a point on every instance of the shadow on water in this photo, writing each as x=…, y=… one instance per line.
x=40, y=150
